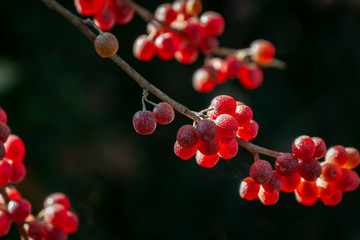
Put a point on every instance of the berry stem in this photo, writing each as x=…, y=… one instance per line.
x=19, y=225
x=90, y=22
x=255, y=149
x=145, y=95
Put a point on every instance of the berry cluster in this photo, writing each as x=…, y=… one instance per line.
x=106, y=13
x=243, y=67
x=55, y=221
x=187, y=36
x=301, y=172
x=145, y=122
x=215, y=136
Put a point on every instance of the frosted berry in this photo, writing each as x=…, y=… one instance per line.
x=165, y=13
x=3, y=116
x=12, y=193
x=56, y=233
x=5, y=172
x=15, y=148
x=187, y=53
x=187, y=137
x=310, y=169
x=193, y=29
x=71, y=223
x=223, y=104
x=337, y=154
x=227, y=125
x=166, y=45
x=263, y=51
x=248, y=131
x=320, y=147
x=4, y=132
x=184, y=153
x=347, y=181
x=59, y=198
x=206, y=130
x=106, y=44
x=37, y=230
x=335, y=199
x=261, y=171
x=268, y=198
x=274, y=184
x=249, y=189
x=207, y=161
x=202, y=82
x=303, y=147
x=250, y=76
x=143, y=48
x=19, y=209
x=217, y=70
x=105, y=18
x=208, y=44
x=18, y=171
x=286, y=164
x=213, y=23
x=243, y=114
x=353, y=158
x=55, y=214
x=232, y=66
x=211, y=147
x=229, y=150
x=164, y=113
x=144, y=122
x=325, y=189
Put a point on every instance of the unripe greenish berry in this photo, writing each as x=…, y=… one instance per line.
x=106, y=44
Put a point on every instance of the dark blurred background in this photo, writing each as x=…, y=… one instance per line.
x=73, y=110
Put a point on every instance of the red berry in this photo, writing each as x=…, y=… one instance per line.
x=5, y=222
x=227, y=125
x=12, y=193
x=206, y=130
x=213, y=22
x=15, y=148
x=348, y=180
x=187, y=137
x=223, y=104
x=286, y=164
x=106, y=44
x=330, y=172
x=320, y=147
x=268, y=198
x=56, y=233
x=211, y=147
x=290, y=183
x=105, y=18
x=167, y=45
x=144, y=122
x=261, y=171
x=59, y=198
x=184, y=153
x=217, y=70
x=232, y=66
x=307, y=193
x=89, y=7
x=207, y=161
x=250, y=76
x=202, y=82
x=310, y=169
x=229, y=150
x=274, y=184
x=325, y=189
x=19, y=209
x=4, y=132
x=55, y=214
x=243, y=114
x=263, y=51
x=249, y=189
x=335, y=199
x=71, y=223
x=164, y=113
x=353, y=158
x=193, y=29
x=208, y=44
x=18, y=171
x=165, y=13
x=143, y=48
x=3, y=116
x=123, y=13
x=187, y=53
x=5, y=172
x=303, y=147
x=37, y=230
x=337, y=154
x=248, y=131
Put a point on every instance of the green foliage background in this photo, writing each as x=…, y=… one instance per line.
x=74, y=111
